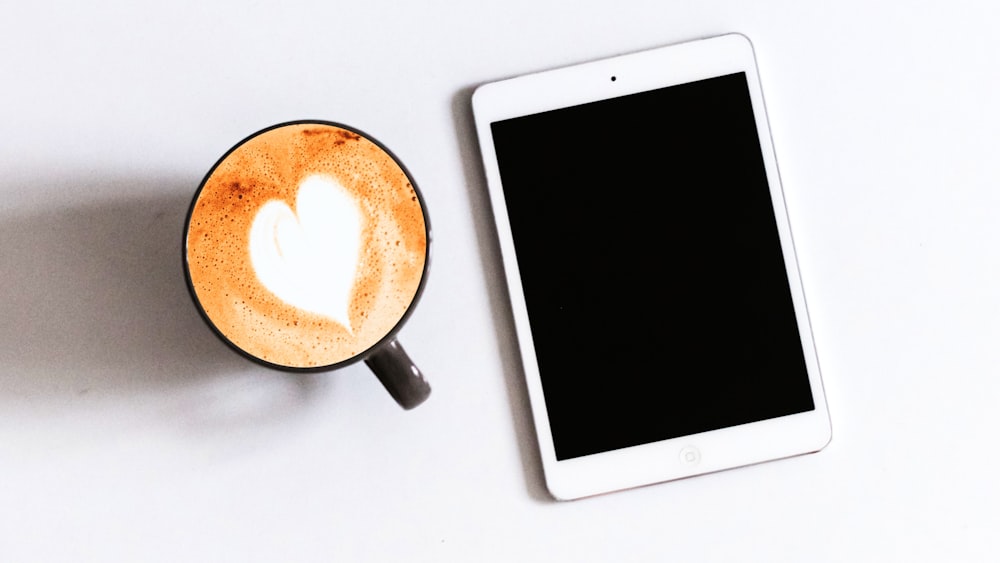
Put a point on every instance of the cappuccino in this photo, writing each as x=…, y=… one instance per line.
x=306, y=245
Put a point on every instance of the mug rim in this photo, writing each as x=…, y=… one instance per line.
x=390, y=335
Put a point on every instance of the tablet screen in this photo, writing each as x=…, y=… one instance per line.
x=651, y=265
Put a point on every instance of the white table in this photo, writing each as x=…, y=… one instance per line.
x=129, y=433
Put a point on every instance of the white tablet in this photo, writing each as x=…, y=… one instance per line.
x=656, y=297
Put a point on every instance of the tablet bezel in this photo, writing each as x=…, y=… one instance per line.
x=688, y=455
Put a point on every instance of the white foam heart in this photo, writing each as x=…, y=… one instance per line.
x=309, y=258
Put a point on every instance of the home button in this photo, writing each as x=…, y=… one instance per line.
x=690, y=455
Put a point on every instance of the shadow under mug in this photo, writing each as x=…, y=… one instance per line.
x=306, y=248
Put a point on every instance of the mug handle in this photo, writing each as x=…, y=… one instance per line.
x=399, y=375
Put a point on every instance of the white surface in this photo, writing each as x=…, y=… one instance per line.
x=128, y=433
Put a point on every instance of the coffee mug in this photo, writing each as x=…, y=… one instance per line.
x=306, y=248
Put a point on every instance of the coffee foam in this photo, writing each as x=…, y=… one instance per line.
x=309, y=257
x=266, y=172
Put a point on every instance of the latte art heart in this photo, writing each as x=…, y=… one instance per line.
x=308, y=258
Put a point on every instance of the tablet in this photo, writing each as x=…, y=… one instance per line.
x=657, y=304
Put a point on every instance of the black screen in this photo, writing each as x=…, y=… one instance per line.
x=651, y=265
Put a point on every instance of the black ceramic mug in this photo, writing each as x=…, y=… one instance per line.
x=307, y=247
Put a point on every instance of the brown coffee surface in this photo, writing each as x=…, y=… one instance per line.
x=271, y=166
